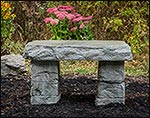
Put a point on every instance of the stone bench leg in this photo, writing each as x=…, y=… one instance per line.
x=44, y=82
x=111, y=87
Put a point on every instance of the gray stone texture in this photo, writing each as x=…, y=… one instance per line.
x=46, y=54
x=108, y=90
x=109, y=50
x=44, y=82
x=44, y=88
x=12, y=64
x=106, y=101
x=111, y=71
x=37, y=100
x=111, y=87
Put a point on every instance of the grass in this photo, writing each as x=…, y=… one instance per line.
x=139, y=66
x=78, y=67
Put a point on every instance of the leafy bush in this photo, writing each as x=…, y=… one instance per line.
x=66, y=24
x=131, y=23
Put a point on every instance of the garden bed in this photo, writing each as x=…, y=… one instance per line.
x=78, y=95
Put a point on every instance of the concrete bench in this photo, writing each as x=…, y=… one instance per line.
x=46, y=54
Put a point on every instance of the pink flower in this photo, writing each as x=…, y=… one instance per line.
x=86, y=22
x=47, y=20
x=57, y=12
x=77, y=15
x=82, y=26
x=77, y=19
x=54, y=21
x=73, y=29
x=60, y=16
x=52, y=10
x=65, y=8
x=87, y=18
x=64, y=13
x=70, y=16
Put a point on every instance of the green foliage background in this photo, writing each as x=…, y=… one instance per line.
x=112, y=20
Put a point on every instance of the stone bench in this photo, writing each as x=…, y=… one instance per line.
x=46, y=54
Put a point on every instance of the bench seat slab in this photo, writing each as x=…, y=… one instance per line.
x=106, y=50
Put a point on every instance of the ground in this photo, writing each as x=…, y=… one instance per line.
x=78, y=95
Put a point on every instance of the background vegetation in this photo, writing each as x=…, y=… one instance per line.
x=112, y=20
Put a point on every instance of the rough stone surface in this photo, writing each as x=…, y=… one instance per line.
x=44, y=88
x=110, y=93
x=44, y=66
x=45, y=56
x=44, y=82
x=111, y=87
x=112, y=72
x=106, y=101
x=107, y=90
x=12, y=64
x=37, y=100
x=78, y=50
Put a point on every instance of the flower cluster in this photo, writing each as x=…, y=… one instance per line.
x=64, y=20
x=6, y=11
x=6, y=20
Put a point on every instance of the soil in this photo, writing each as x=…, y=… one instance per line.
x=77, y=100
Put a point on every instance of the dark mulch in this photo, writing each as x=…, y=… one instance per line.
x=78, y=95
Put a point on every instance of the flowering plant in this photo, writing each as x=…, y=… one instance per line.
x=65, y=23
x=6, y=20
x=7, y=27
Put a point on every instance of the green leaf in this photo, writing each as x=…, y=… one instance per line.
x=41, y=10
